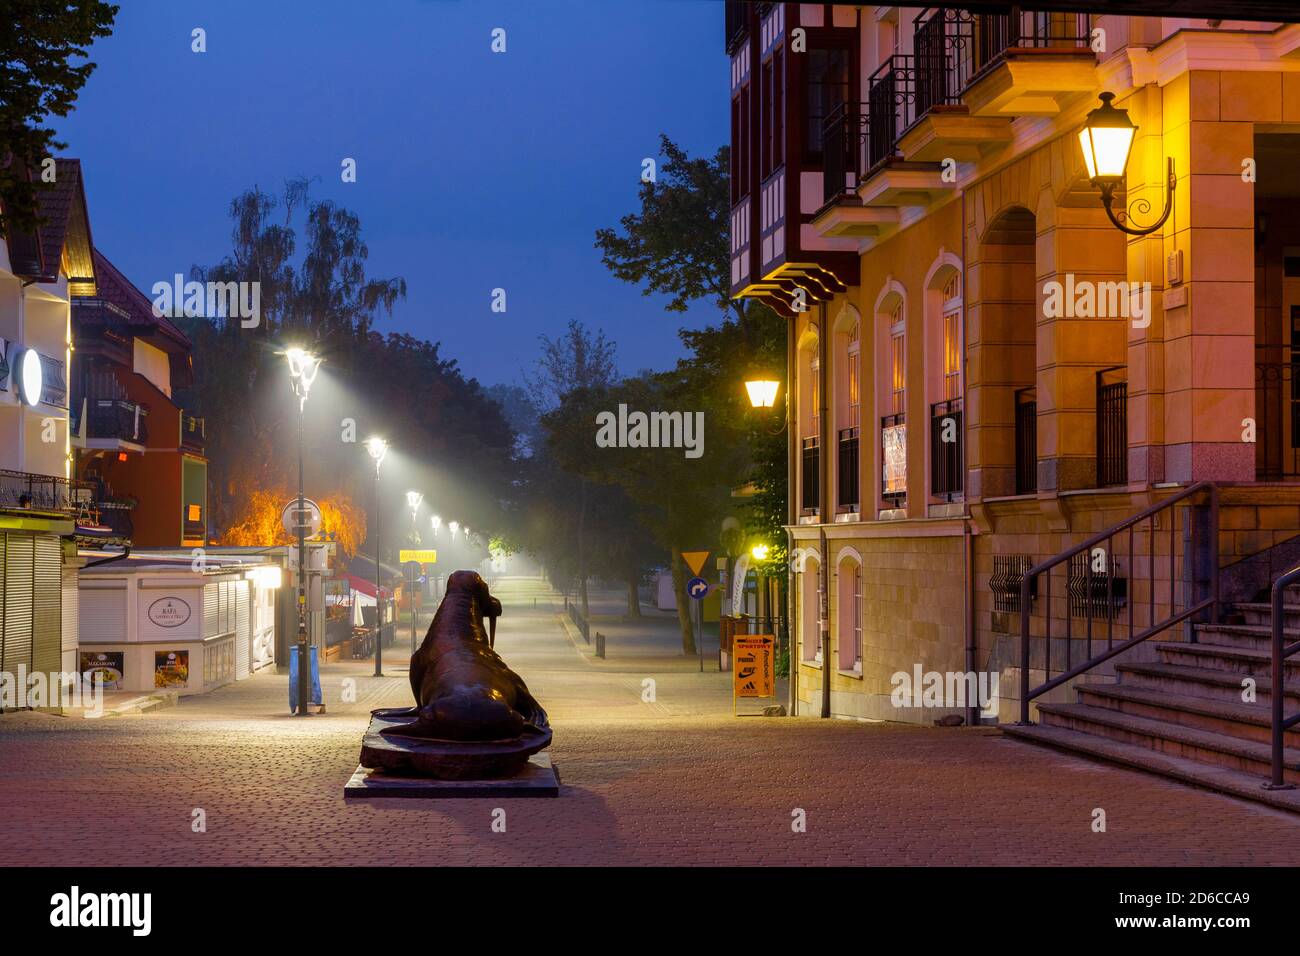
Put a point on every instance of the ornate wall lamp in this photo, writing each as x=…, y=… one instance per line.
x=1107, y=140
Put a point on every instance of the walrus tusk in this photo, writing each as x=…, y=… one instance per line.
x=492, y=631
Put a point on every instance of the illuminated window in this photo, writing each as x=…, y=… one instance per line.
x=952, y=338
x=194, y=513
x=816, y=399
x=854, y=399
x=897, y=362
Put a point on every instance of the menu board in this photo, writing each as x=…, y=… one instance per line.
x=171, y=668
x=104, y=668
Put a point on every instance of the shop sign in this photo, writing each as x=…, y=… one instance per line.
x=169, y=612
x=171, y=668
x=754, y=673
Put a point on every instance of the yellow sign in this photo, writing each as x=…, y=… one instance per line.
x=695, y=560
x=423, y=556
x=754, y=670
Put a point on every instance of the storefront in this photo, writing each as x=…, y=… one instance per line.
x=165, y=622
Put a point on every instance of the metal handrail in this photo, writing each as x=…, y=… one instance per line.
x=1280, y=653
x=1153, y=628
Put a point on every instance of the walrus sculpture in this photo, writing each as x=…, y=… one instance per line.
x=474, y=717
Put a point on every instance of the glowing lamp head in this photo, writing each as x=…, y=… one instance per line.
x=1106, y=139
x=377, y=448
x=413, y=500
x=31, y=377
x=435, y=521
x=453, y=527
x=303, y=366
x=760, y=552
x=762, y=392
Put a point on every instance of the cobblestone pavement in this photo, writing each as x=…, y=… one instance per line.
x=678, y=780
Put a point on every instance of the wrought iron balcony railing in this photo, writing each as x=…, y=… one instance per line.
x=975, y=43
x=810, y=480
x=844, y=143
x=1112, y=428
x=25, y=491
x=848, y=498
x=116, y=418
x=1026, y=440
x=193, y=430
x=945, y=449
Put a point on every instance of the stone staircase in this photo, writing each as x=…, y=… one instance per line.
x=1183, y=716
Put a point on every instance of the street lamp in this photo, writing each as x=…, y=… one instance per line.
x=413, y=501
x=1106, y=140
x=435, y=521
x=762, y=392
x=453, y=527
x=378, y=448
x=303, y=366
x=760, y=552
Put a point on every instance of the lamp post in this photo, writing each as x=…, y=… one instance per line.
x=303, y=367
x=413, y=500
x=435, y=521
x=1106, y=140
x=378, y=448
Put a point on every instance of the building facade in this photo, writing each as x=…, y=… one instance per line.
x=984, y=371
x=40, y=503
x=139, y=449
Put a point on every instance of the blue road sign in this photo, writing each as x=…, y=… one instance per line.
x=697, y=588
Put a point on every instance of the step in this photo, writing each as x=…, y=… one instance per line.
x=1259, y=636
x=1201, y=682
x=1220, y=779
x=1262, y=613
x=1233, y=719
x=1235, y=660
x=1202, y=745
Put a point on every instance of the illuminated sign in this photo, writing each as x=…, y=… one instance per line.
x=422, y=556
x=31, y=380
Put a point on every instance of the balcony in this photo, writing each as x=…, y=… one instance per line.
x=1112, y=427
x=946, y=449
x=810, y=477
x=114, y=420
x=193, y=432
x=848, y=498
x=1022, y=63
x=1026, y=400
x=115, y=516
x=24, y=491
x=842, y=214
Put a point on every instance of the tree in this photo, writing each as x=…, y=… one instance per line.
x=677, y=244
x=38, y=39
x=326, y=299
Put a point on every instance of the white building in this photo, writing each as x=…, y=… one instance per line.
x=39, y=504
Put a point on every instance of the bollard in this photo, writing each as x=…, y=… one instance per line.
x=600, y=645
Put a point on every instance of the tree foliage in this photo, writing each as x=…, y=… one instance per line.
x=39, y=42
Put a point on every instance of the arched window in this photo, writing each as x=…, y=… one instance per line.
x=848, y=613
x=943, y=378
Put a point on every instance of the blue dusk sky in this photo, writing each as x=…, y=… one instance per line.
x=475, y=170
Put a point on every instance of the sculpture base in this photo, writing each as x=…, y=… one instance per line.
x=396, y=755
x=537, y=778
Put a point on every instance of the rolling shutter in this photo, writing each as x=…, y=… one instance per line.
x=101, y=613
x=210, y=609
x=18, y=601
x=243, y=630
x=47, y=605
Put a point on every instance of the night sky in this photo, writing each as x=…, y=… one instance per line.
x=475, y=170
